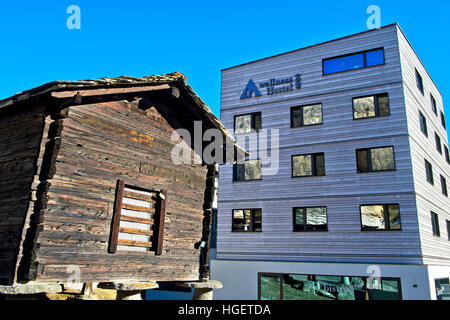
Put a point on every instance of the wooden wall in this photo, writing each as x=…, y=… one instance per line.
x=342, y=190
x=20, y=138
x=101, y=143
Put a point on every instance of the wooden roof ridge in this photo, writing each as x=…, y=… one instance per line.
x=109, y=83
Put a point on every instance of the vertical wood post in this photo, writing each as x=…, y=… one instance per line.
x=116, y=217
x=161, y=218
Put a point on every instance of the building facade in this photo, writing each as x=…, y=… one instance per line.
x=358, y=206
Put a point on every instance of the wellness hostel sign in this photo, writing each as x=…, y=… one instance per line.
x=272, y=86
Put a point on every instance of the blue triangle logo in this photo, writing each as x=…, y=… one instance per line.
x=249, y=89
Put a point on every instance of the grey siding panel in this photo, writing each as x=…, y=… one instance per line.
x=436, y=250
x=342, y=190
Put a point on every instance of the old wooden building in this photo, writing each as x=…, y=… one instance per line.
x=88, y=188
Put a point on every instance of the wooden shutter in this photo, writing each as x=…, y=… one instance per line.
x=133, y=223
x=160, y=222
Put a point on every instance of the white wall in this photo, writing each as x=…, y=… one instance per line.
x=240, y=278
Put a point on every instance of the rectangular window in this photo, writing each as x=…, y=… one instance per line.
x=247, y=123
x=443, y=121
x=447, y=155
x=438, y=143
x=247, y=220
x=433, y=104
x=306, y=115
x=310, y=219
x=435, y=224
x=444, y=186
x=429, y=172
x=248, y=171
x=371, y=106
x=326, y=287
x=448, y=229
x=419, y=82
x=375, y=159
x=353, y=61
x=308, y=165
x=380, y=217
x=138, y=219
x=423, y=124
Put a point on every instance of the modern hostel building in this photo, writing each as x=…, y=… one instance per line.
x=359, y=206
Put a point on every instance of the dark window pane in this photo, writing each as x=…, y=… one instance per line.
x=444, y=186
x=363, y=165
x=433, y=104
x=423, y=124
x=312, y=114
x=435, y=224
x=419, y=81
x=363, y=107
x=320, y=164
x=296, y=117
x=302, y=166
x=382, y=159
x=394, y=217
x=447, y=155
x=257, y=121
x=343, y=64
x=383, y=105
x=375, y=58
x=257, y=220
x=243, y=124
x=443, y=120
x=429, y=172
x=438, y=143
x=448, y=229
x=316, y=219
x=299, y=220
x=270, y=288
x=373, y=218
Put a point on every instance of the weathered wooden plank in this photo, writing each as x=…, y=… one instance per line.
x=134, y=243
x=116, y=217
x=161, y=222
x=101, y=92
x=136, y=231
x=138, y=196
x=136, y=219
x=137, y=208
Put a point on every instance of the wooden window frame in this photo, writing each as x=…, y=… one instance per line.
x=158, y=221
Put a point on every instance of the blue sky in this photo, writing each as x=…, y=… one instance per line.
x=197, y=38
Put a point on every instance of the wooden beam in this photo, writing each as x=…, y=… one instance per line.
x=135, y=219
x=161, y=217
x=100, y=92
x=137, y=208
x=136, y=231
x=134, y=243
x=116, y=217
